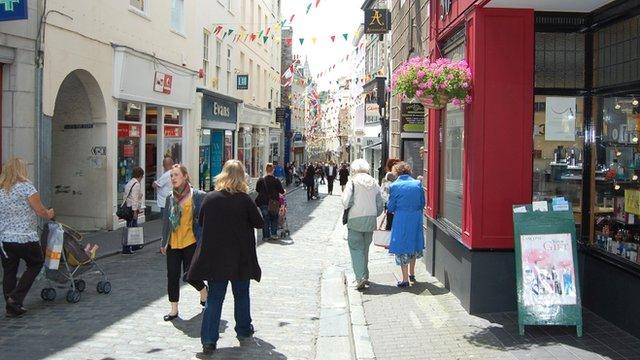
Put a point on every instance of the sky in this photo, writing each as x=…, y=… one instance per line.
x=331, y=17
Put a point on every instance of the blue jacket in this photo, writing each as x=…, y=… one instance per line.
x=198, y=197
x=406, y=202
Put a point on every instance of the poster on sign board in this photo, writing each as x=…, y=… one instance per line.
x=548, y=270
x=560, y=116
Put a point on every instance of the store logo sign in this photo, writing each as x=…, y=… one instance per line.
x=243, y=82
x=377, y=21
x=13, y=10
x=221, y=110
x=163, y=82
x=445, y=8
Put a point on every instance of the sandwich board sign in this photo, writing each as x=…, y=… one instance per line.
x=547, y=280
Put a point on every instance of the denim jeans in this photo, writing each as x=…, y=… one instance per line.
x=270, y=223
x=210, y=332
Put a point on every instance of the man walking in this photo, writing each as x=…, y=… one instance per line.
x=331, y=171
x=163, y=184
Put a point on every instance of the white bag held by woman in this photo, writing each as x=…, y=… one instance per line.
x=381, y=237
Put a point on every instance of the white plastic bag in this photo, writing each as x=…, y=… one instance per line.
x=135, y=236
x=55, y=242
x=382, y=237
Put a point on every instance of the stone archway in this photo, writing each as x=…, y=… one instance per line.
x=78, y=153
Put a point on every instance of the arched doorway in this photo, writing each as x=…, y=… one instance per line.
x=78, y=153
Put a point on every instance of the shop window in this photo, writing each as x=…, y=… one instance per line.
x=558, y=141
x=129, y=136
x=177, y=16
x=205, y=56
x=616, y=53
x=559, y=60
x=452, y=146
x=173, y=133
x=151, y=160
x=617, y=187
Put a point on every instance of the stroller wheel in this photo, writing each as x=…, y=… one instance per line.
x=100, y=287
x=48, y=294
x=80, y=285
x=106, y=287
x=73, y=296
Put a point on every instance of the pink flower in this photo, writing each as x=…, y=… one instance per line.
x=457, y=102
x=421, y=74
x=429, y=84
x=443, y=86
x=468, y=99
x=465, y=85
x=419, y=93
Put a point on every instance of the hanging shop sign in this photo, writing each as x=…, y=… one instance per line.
x=547, y=281
x=163, y=83
x=377, y=21
x=412, y=117
x=218, y=109
x=13, y=10
x=128, y=130
x=172, y=132
x=242, y=82
x=372, y=113
x=281, y=114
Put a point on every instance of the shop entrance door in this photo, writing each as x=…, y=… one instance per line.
x=217, y=152
x=151, y=154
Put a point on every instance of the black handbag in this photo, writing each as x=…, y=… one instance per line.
x=125, y=212
x=345, y=213
x=273, y=206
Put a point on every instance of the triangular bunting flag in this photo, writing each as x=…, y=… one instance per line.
x=292, y=17
x=289, y=41
x=301, y=41
x=317, y=3
x=265, y=38
x=345, y=36
x=268, y=29
x=309, y=7
x=314, y=40
x=260, y=34
x=333, y=38
x=230, y=31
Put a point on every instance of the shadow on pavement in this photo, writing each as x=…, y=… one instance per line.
x=418, y=288
x=253, y=348
x=600, y=337
x=191, y=327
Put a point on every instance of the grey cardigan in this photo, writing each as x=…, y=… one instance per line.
x=198, y=197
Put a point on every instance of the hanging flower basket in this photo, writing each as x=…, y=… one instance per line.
x=434, y=83
x=437, y=102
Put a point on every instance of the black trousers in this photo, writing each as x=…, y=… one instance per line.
x=310, y=191
x=330, y=180
x=31, y=253
x=178, y=262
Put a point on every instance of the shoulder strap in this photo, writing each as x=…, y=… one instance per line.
x=129, y=194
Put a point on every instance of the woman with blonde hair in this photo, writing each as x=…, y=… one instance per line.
x=227, y=252
x=180, y=234
x=19, y=240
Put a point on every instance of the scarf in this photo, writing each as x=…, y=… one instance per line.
x=176, y=210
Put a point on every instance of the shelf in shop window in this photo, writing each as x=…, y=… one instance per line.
x=614, y=144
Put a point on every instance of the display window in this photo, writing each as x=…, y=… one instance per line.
x=244, y=149
x=152, y=141
x=617, y=188
x=129, y=140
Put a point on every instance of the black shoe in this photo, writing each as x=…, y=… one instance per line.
x=247, y=336
x=170, y=317
x=412, y=278
x=208, y=349
x=13, y=309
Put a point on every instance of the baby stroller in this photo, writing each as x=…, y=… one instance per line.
x=75, y=261
x=283, y=225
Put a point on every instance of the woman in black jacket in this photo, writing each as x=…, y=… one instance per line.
x=227, y=252
x=310, y=180
x=343, y=175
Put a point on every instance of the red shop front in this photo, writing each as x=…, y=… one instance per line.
x=528, y=58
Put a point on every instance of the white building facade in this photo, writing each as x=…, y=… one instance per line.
x=116, y=98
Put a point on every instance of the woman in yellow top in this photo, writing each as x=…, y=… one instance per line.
x=180, y=234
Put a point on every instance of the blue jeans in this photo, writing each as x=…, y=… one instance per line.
x=270, y=223
x=210, y=332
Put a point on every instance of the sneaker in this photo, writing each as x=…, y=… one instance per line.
x=247, y=336
x=360, y=285
x=412, y=278
x=13, y=309
x=402, y=284
x=208, y=349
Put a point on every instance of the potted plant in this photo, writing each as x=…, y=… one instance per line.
x=434, y=83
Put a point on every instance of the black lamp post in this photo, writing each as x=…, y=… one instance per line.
x=381, y=96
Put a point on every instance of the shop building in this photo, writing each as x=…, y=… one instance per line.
x=113, y=99
x=556, y=87
x=218, y=128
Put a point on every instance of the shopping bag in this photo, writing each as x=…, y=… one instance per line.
x=382, y=237
x=134, y=236
x=55, y=242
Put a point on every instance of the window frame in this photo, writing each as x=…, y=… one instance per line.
x=144, y=12
x=206, y=42
x=182, y=20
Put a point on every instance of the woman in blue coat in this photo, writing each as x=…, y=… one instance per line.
x=406, y=202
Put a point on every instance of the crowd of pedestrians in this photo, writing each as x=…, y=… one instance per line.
x=208, y=238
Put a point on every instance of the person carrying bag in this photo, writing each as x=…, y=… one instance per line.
x=268, y=188
x=133, y=204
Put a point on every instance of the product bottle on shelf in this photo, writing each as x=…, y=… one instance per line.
x=612, y=173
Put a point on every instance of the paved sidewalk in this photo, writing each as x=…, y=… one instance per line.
x=427, y=322
x=127, y=324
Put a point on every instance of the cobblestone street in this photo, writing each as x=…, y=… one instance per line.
x=127, y=323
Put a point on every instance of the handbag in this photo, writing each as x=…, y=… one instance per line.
x=125, y=212
x=345, y=213
x=382, y=237
x=273, y=206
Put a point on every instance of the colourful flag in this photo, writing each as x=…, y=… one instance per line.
x=265, y=38
x=301, y=41
x=345, y=36
x=309, y=7
x=333, y=38
x=292, y=17
x=317, y=3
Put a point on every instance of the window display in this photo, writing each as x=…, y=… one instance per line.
x=617, y=197
x=558, y=140
x=129, y=135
